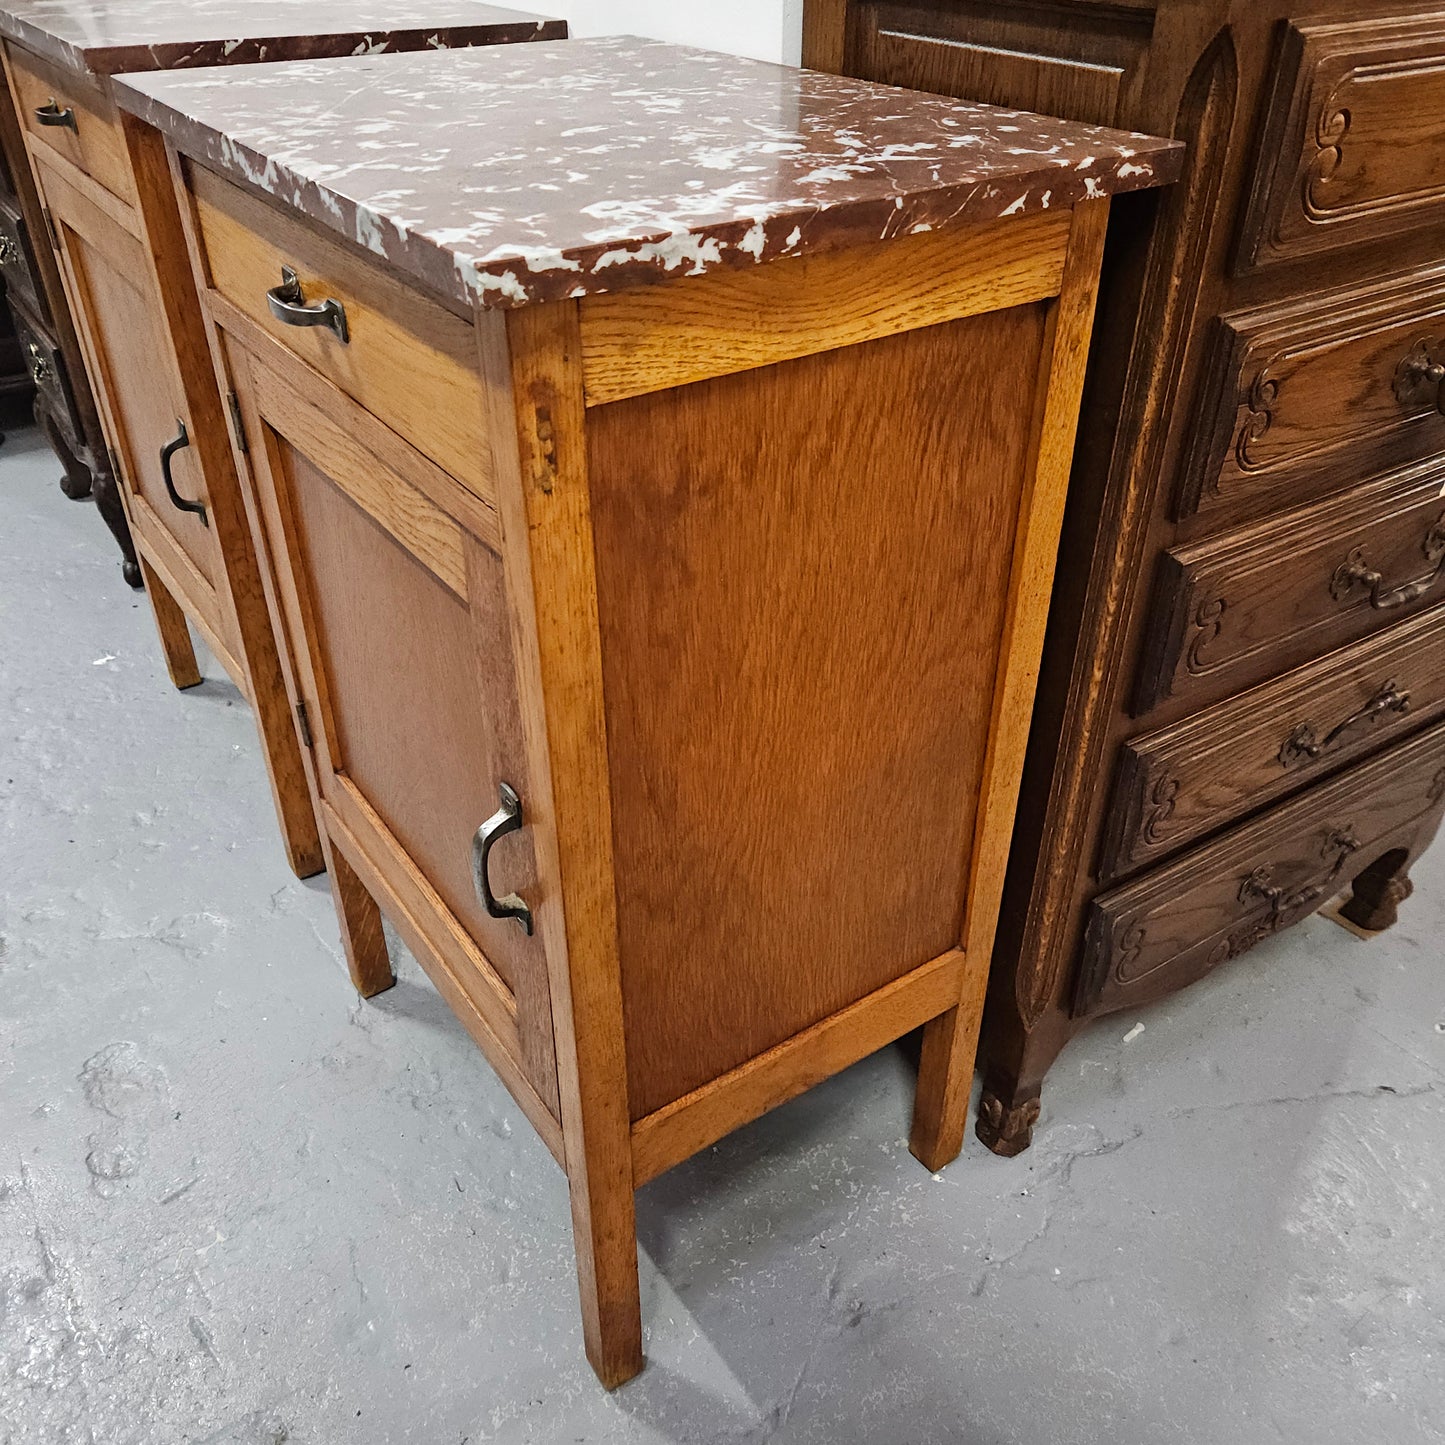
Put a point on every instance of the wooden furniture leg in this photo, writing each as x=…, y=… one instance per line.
x=1379, y=891
x=171, y=627
x=362, y=936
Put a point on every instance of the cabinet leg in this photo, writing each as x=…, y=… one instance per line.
x=106, y=491
x=945, y=1075
x=362, y=937
x=76, y=479
x=175, y=636
x=1006, y=1120
x=1379, y=891
x=604, y=1231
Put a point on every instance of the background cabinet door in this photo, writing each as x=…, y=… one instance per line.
x=139, y=394
x=389, y=583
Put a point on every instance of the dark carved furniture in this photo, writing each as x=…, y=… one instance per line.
x=1239, y=714
x=65, y=410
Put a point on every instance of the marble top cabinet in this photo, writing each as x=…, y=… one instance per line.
x=121, y=307
x=657, y=461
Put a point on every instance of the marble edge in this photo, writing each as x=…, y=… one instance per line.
x=102, y=59
x=534, y=276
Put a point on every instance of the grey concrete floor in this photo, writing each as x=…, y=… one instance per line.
x=238, y=1205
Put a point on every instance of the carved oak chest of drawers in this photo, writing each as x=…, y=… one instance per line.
x=1244, y=680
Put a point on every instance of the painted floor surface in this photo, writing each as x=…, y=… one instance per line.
x=238, y=1206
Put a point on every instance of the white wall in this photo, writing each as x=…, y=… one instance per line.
x=765, y=29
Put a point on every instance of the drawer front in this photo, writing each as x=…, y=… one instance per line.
x=1181, y=782
x=47, y=370
x=83, y=127
x=1351, y=148
x=1302, y=397
x=1175, y=924
x=17, y=261
x=1236, y=610
x=405, y=359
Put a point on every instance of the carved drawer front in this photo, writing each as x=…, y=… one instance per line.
x=1178, y=922
x=72, y=119
x=1009, y=57
x=1181, y=782
x=1241, y=608
x=1351, y=149
x=17, y=263
x=1301, y=398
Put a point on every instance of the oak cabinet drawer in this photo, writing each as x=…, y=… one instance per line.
x=402, y=357
x=1302, y=396
x=1350, y=151
x=1180, y=782
x=1175, y=924
x=76, y=121
x=1240, y=608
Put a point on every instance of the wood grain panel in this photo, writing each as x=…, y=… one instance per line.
x=652, y=338
x=799, y=681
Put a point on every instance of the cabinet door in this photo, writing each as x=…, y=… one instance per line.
x=109, y=277
x=388, y=581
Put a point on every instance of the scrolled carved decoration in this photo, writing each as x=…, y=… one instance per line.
x=1208, y=623
x=1164, y=796
x=1263, y=394
x=1332, y=126
x=1437, y=787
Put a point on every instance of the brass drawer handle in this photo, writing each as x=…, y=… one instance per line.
x=9, y=251
x=1285, y=904
x=1355, y=571
x=40, y=371
x=1417, y=374
x=507, y=819
x=179, y=443
x=1303, y=744
x=288, y=305
x=51, y=113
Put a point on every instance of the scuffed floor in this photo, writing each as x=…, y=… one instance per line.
x=238, y=1206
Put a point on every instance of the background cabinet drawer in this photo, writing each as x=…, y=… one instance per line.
x=405, y=359
x=1178, y=783
x=1302, y=397
x=1235, y=610
x=1351, y=148
x=17, y=261
x=91, y=139
x=1175, y=924
x=47, y=370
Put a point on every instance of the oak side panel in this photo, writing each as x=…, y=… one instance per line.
x=802, y=580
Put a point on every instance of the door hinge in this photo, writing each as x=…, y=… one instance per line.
x=303, y=721
x=238, y=428
x=50, y=230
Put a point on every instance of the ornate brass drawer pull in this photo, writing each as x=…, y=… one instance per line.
x=507, y=819
x=288, y=305
x=1286, y=904
x=40, y=371
x=1417, y=374
x=1355, y=571
x=52, y=113
x=1303, y=744
x=9, y=251
x=179, y=443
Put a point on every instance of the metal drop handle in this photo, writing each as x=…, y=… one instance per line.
x=179, y=443
x=1303, y=744
x=52, y=113
x=1355, y=571
x=9, y=251
x=288, y=305
x=507, y=819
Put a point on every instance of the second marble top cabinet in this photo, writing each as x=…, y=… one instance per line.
x=665, y=623
x=1242, y=691
x=166, y=429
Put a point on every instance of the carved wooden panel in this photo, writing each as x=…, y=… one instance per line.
x=1351, y=147
x=1175, y=924
x=1199, y=775
x=1009, y=58
x=1301, y=398
x=1236, y=609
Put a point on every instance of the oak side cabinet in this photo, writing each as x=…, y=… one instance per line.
x=662, y=548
